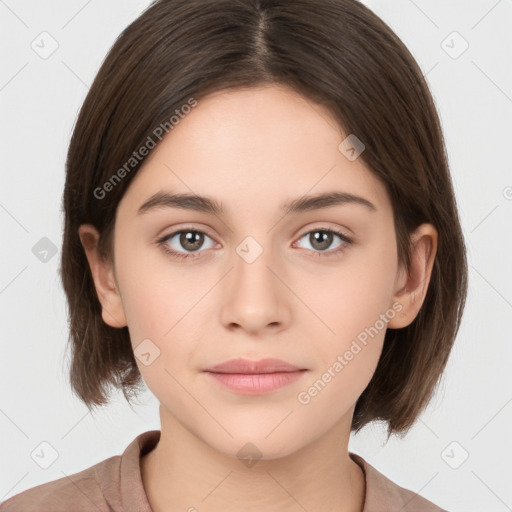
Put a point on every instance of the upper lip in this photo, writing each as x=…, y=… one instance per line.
x=251, y=367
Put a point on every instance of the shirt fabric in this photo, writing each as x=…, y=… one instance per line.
x=115, y=485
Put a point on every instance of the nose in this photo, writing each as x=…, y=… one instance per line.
x=254, y=297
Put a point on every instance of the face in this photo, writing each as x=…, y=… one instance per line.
x=314, y=287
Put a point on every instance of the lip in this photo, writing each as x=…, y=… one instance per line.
x=255, y=383
x=248, y=367
x=248, y=377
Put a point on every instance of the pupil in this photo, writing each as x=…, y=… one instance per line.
x=322, y=241
x=191, y=240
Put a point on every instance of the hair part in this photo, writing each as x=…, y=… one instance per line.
x=336, y=53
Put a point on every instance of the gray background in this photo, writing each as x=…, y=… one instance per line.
x=471, y=414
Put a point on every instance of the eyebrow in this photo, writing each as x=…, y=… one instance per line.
x=164, y=199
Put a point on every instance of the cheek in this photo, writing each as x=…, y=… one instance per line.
x=353, y=297
x=156, y=293
x=164, y=311
x=347, y=357
x=355, y=305
x=162, y=333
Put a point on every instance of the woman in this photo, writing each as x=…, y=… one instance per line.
x=260, y=225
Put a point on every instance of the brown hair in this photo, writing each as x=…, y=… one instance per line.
x=336, y=53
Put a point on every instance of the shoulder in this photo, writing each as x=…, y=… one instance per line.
x=84, y=490
x=384, y=494
x=110, y=485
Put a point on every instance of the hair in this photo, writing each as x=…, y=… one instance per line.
x=335, y=53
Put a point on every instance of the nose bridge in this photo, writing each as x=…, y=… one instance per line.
x=252, y=275
x=254, y=299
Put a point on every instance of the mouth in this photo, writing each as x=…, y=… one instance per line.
x=248, y=367
x=255, y=377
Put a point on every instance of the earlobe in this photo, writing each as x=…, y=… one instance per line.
x=412, y=286
x=104, y=279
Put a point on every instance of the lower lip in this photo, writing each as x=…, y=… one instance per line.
x=256, y=384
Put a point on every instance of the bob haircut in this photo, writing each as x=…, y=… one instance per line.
x=335, y=53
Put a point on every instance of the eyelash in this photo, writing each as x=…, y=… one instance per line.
x=183, y=256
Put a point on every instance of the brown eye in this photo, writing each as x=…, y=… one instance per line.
x=191, y=240
x=321, y=240
x=185, y=242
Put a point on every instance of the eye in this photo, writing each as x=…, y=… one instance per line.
x=189, y=240
x=192, y=240
x=321, y=239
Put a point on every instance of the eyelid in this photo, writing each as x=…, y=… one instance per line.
x=324, y=226
x=346, y=242
x=318, y=227
x=346, y=239
x=185, y=227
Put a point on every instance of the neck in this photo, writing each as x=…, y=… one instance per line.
x=183, y=472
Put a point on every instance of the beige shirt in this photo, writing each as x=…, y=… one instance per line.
x=115, y=485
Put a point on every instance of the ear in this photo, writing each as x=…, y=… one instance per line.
x=411, y=287
x=104, y=278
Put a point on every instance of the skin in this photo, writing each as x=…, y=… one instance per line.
x=253, y=150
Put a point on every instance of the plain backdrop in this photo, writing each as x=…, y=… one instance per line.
x=459, y=453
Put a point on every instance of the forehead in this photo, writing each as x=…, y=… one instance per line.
x=251, y=148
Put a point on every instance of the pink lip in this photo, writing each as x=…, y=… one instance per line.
x=247, y=366
x=255, y=377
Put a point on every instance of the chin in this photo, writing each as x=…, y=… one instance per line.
x=251, y=445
